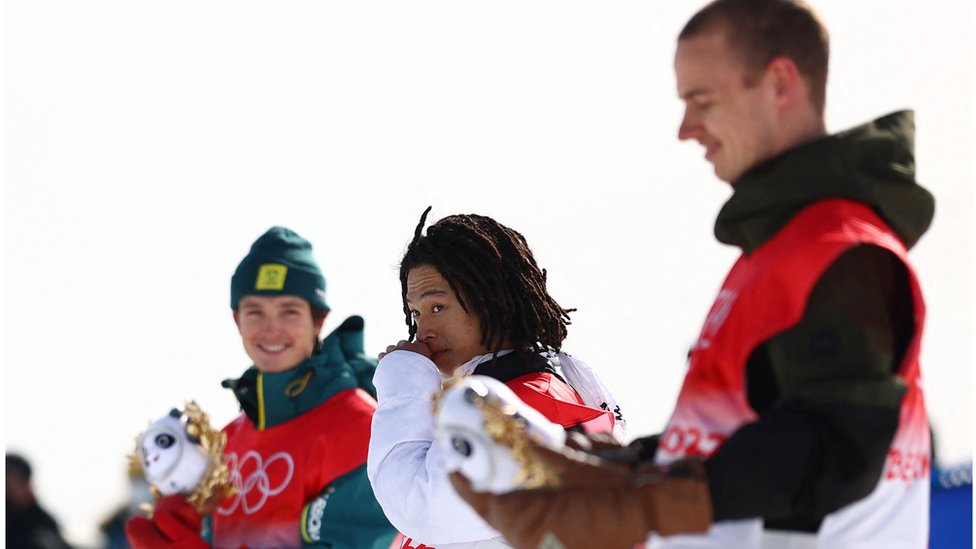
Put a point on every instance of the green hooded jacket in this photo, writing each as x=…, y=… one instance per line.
x=825, y=390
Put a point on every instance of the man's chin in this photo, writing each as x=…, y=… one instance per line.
x=443, y=363
x=723, y=175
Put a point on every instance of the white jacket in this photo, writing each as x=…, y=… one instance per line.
x=406, y=466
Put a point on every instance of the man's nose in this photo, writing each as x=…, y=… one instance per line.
x=690, y=128
x=269, y=325
x=424, y=331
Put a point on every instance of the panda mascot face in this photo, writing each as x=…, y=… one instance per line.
x=160, y=447
x=173, y=462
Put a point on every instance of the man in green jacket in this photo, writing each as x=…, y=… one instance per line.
x=297, y=452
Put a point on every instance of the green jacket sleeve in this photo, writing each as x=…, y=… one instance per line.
x=346, y=515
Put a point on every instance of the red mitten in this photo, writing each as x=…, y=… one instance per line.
x=175, y=525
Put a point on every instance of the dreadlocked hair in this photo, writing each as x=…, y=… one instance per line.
x=494, y=276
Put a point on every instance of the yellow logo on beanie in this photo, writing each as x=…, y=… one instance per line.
x=271, y=276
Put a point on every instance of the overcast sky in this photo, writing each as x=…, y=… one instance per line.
x=148, y=144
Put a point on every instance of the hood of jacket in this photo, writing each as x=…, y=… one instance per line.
x=873, y=164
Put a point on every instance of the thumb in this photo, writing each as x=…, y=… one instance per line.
x=176, y=518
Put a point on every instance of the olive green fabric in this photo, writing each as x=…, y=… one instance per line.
x=873, y=164
x=826, y=389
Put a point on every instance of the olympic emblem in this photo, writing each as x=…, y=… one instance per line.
x=256, y=480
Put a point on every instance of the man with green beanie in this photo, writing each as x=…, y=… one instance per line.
x=297, y=453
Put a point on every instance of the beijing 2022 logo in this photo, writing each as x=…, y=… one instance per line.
x=255, y=480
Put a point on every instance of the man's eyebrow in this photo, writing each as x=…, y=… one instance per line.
x=692, y=93
x=427, y=293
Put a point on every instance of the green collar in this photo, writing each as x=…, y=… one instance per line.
x=270, y=399
x=873, y=164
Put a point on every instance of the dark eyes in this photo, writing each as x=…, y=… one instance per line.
x=164, y=440
x=414, y=313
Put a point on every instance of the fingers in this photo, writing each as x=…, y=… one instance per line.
x=578, y=441
x=578, y=469
x=391, y=348
x=176, y=518
x=603, y=440
x=211, y=504
x=418, y=347
x=567, y=457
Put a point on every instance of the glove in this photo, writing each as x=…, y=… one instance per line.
x=607, y=448
x=175, y=524
x=582, y=469
x=599, y=504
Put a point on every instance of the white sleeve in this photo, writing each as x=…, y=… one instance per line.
x=405, y=466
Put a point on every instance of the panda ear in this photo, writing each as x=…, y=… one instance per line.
x=175, y=413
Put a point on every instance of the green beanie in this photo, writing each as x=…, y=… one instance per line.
x=280, y=263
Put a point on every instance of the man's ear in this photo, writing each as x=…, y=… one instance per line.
x=787, y=83
x=319, y=322
x=237, y=319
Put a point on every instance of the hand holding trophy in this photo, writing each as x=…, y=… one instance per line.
x=182, y=458
x=490, y=434
x=516, y=470
x=180, y=453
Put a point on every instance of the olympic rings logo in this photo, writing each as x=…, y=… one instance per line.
x=257, y=481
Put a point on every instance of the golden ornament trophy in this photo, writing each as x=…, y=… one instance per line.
x=489, y=432
x=180, y=453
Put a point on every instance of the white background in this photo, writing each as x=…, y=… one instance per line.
x=148, y=144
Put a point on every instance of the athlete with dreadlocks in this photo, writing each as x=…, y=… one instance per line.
x=475, y=302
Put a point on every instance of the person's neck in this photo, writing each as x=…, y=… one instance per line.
x=805, y=126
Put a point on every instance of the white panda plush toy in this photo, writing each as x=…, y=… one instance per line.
x=173, y=462
x=486, y=429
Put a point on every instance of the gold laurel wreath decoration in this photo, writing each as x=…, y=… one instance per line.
x=216, y=481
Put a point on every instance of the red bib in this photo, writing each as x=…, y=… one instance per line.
x=765, y=294
x=278, y=470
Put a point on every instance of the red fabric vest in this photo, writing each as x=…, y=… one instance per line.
x=278, y=470
x=559, y=403
x=765, y=294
